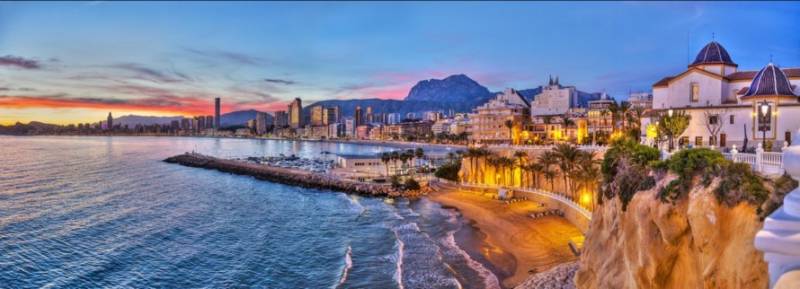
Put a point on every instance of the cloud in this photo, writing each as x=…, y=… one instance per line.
x=280, y=81
x=19, y=62
x=228, y=56
x=151, y=74
x=172, y=104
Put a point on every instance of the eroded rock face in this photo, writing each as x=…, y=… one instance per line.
x=692, y=243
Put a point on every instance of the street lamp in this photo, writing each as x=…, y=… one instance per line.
x=669, y=112
x=764, y=123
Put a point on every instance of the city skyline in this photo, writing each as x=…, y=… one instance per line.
x=72, y=62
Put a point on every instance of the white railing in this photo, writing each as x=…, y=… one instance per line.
x=779, y=238
x=546, y=147
x=562, y=199
x=767, y=163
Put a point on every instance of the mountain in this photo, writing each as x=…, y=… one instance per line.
x=132, y=120
x=239, y=118
x=456, y=92
x=453, y=89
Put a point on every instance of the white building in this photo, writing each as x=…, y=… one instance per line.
x=488, y=123
x=554, y=99
x=719, y=97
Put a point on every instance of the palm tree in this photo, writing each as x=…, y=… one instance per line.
x=510, y=124
x=385, y=159
x=395, y=156
x=536, y=169
x=547, y=160
x=568, y=157
x=587, y=174
x=419, y=154
x=519, y=156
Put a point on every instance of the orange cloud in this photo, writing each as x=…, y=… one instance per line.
x=172, y=104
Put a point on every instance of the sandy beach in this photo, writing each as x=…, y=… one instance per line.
x=515, y=243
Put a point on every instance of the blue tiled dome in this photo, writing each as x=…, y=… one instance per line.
x=771, y=80
x=713, y=53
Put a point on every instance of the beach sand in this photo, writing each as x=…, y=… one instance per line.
x=515, y=244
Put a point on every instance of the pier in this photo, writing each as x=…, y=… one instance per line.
x=288, y=176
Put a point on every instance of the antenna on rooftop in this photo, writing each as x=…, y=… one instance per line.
x=688, y=47
x=713, y=36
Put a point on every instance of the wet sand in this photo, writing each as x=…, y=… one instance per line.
x=515, y=244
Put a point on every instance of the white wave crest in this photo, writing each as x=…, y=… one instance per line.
x=490, y=281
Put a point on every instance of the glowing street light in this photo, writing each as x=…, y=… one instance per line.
x=669, y=112
x=764, y=120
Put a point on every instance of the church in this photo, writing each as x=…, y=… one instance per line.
x=728, y=106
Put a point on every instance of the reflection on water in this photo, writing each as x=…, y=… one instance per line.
x=79, y=212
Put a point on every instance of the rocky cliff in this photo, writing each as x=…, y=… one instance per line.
x=691, y=242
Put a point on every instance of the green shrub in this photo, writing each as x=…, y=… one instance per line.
x=411, y=184
x=687, y=164
x=395, y=181
x=449, y=171
x=625, y=169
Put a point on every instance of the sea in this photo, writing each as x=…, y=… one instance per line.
x=107, y=212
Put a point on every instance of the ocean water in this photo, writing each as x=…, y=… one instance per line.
x=106, y=212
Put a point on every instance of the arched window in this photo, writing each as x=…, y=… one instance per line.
x=694, y=94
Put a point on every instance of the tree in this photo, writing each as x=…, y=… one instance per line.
x=713, y=121
x=586, y=174
x=673, y=125
x=519, y=156
x=419, y=154
x=548, y=159
x=510, y=124
x=536, y=169
x=567, y=156
x=385, y=159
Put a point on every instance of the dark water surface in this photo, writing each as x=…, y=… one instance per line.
x=102, y=212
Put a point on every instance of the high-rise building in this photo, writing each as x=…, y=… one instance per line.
x=296, y=113
x=358, y=116
x=317, y=115
x=393, y=118
x=281, y=119
x=350, y=127
x=261, y=123
x=331, y=115
x=368, y=115
x=216, y=113
x=110, y=122
x=209, y=121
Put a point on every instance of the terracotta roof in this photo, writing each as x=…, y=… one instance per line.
x=743, y=90
x=664, y=81
x=748, y=75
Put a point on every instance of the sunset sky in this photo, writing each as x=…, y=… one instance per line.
x=75, y=62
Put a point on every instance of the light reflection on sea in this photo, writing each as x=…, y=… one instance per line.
x=90, y=212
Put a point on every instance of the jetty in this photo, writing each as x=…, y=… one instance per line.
x=289, y=176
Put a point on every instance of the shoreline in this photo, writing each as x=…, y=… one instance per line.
x=514, y=245
x=394, y=143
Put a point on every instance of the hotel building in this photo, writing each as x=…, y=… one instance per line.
x=488, y=122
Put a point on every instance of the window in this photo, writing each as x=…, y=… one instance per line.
x=713, y=119
x=787, y=136
x=712, y=140
x=698, y=141
x=731, y=119
x=695, y=93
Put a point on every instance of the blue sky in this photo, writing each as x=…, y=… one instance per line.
x=65, y=62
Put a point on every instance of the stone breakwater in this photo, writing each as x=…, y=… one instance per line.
x=295, y=177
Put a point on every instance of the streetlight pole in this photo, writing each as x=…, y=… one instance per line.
x=764, y=120
x=669, y=132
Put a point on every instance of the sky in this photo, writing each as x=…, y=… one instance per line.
x=71, y=62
